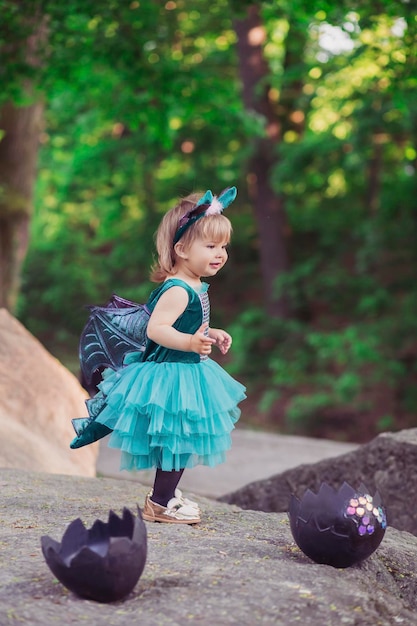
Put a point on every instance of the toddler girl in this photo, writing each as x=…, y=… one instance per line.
x=172, y=407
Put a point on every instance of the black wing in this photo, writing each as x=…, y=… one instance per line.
x=111, y=332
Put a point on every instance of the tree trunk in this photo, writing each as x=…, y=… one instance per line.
x=20, y=128
x=269, y=207
x=375, y=172
x=18, y=152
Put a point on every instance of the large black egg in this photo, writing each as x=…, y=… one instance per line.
x=103, y=563
x=337, y=528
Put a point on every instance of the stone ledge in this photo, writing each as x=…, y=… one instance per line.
x=237, y=567
x=388, y=464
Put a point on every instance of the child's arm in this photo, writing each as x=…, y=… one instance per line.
x=167, y=310
x=222, y=339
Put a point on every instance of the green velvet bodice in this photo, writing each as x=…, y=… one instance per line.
x=188, y=322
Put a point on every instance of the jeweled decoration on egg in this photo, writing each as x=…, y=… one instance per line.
x=337, y=528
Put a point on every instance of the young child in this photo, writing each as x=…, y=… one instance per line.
x=172, y=407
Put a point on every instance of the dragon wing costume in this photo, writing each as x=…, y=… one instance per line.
x=111, y=332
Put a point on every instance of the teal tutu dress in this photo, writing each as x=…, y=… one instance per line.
x=166, y=408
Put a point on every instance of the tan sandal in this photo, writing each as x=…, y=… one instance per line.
x=176, y=512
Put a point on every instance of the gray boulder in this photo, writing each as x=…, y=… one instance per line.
x=387, y=464
x=236, y=567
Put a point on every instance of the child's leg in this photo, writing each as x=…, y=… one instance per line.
x=180, y=511
x=165, y=485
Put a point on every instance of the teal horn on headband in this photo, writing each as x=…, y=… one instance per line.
x=207, y=205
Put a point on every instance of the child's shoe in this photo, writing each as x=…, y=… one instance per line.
x=178, y=494
x=176, y=512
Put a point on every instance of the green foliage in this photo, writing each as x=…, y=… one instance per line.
x=110, y=166
x=320, y=373
x=143, y=104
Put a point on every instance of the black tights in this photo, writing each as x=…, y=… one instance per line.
x=165, y=485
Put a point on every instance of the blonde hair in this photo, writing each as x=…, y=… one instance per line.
x=213, y=227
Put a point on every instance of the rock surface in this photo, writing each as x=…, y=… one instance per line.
x=38, y=398
x=388, y=464
x=236, y=567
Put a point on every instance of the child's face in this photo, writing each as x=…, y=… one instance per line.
x=204, y=257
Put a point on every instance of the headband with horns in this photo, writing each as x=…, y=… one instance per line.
x=207, y=205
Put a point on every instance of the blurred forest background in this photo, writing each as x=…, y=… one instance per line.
x=112, y=109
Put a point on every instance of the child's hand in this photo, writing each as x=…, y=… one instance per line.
x=200, y=342
x=222, y=339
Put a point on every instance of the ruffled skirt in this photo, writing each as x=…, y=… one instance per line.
x=169, y=415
